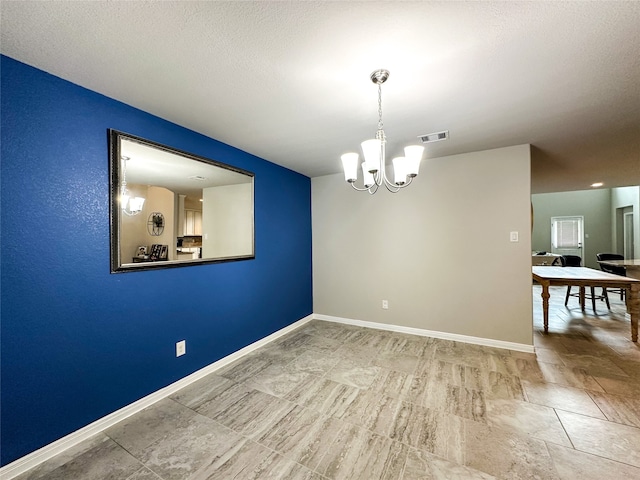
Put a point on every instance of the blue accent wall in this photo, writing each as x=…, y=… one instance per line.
x=78, y=342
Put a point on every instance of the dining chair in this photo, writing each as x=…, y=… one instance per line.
x=616, y=270
x=576, y=261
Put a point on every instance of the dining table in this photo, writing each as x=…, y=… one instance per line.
x=632, y=266
x=583, y=277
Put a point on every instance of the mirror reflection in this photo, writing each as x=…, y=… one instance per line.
x=171, y=208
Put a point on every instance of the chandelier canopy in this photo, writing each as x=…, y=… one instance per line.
x=405, y=169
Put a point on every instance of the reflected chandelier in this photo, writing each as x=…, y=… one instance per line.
x=373, y=167
x=130, y=205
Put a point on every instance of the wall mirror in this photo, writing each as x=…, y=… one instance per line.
x=170, y=208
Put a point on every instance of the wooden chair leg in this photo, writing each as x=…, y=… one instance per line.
x=593, y=299
x=566, y=299
x=606, y=298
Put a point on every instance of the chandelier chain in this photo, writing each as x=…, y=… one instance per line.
x=124, y=172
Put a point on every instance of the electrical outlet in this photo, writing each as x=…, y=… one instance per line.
x=385, y=304
x=181, y=348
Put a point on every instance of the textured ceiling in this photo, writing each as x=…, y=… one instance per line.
x=289, y=81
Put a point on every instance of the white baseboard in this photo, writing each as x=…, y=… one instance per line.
x=21, y=465
x=487, y=342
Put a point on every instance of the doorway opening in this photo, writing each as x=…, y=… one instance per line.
x=625, y=236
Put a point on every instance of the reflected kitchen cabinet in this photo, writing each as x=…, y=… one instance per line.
x=192, y=222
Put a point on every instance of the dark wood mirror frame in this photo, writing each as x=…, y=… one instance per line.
x=220, y=179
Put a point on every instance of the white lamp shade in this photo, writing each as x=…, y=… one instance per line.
x=372, y=150
x=400, y=170
x=350, y=166
x=136, y=204
x=369, y=181
x=413, y=154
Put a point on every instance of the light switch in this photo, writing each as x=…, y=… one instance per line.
x=513, y=236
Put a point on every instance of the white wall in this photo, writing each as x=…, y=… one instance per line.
x=438, y=251
x=626, y=197
x=227, y=221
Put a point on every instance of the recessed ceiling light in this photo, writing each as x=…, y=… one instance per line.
x=597, y=184
x=199, y=178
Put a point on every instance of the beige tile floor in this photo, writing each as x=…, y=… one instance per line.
x=330, y=401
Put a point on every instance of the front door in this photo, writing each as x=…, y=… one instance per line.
x=567, y=235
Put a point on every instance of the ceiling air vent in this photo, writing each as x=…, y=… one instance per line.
x=434, y=137
x=198, y=178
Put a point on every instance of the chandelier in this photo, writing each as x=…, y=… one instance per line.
x=374, y=164
x=130, y=205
